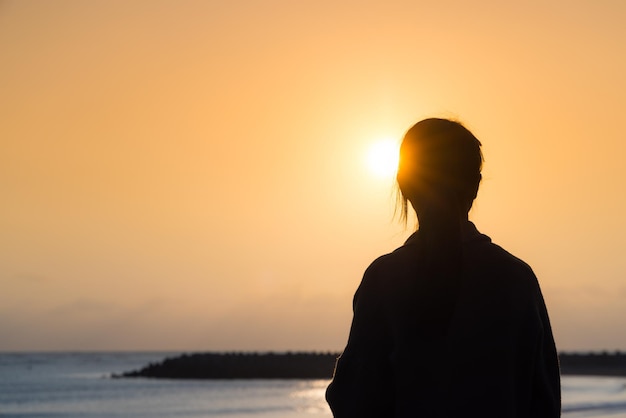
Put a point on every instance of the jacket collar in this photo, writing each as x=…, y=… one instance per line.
x=469, y=233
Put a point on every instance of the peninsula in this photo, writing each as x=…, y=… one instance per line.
x=302, y=365
x=239, y=365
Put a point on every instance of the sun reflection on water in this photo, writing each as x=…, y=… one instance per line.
x=310, y=398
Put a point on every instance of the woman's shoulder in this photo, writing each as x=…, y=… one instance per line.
x=398, y=259
x=492, y=255
x=395, y=268
x=500, y=271
x=480, y=255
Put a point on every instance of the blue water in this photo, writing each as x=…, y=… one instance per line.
x=79, y=385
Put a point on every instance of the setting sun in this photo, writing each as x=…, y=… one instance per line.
x=382, y=158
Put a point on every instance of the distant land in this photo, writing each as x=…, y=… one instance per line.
x=593, y=364
x=302, y=365
x=241, y=366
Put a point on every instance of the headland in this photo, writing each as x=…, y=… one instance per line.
x=309, y=365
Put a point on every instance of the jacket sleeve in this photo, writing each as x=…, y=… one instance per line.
x=546, y=390
x=361, y=385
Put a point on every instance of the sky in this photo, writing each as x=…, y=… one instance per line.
x=192, y=175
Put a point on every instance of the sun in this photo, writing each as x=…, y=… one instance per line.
x=382, y=158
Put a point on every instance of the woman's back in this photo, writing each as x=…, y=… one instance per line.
x=481, y=345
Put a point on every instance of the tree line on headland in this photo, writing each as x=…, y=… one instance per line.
x=308, y=365
x=593, y=364
x=240, y=365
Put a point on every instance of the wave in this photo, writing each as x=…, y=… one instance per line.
x=610, y=407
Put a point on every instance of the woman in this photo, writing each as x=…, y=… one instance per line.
x=449, y=324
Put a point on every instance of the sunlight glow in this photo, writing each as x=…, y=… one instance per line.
x=382, y=158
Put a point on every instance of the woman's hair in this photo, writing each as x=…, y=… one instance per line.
x=439, y=157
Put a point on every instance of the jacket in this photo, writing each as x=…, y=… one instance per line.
x=475, y=341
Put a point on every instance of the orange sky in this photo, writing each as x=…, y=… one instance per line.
x=189, y=175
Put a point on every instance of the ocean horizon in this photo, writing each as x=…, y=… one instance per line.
x=80, y=384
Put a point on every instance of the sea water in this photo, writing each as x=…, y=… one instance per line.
x=55, y=385
x=80, y=385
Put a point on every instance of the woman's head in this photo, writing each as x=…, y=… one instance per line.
x=439, y=168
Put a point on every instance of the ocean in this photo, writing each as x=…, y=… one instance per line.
x=59, y=385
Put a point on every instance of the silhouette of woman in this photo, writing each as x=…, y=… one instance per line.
x=449, y=324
